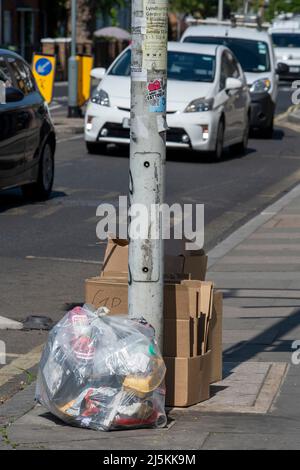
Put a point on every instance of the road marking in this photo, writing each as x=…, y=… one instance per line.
x=14, y=211
x=65, y=260
x=67, y=139
x=55, y=106
x=47, y=212
x=11, y=355
x=21, y=364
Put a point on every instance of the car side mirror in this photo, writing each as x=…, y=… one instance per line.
x=98, y=73
x=12, y=95
x=282, y=68
x=233, y=84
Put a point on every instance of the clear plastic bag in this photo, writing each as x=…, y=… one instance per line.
x=103, y=372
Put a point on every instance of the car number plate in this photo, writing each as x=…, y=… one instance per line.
x=295, y=69
x=126, y=123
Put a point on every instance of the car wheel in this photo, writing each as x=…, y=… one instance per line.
x=241, y=147
x=41, y=190
x=218, y=153
x=96, y=148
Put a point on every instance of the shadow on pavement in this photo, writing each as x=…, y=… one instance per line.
x=13, y=199
x=270, y=339
x=179, y=155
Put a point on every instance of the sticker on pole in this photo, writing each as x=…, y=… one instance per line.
x=43, y=69
x=156, y=96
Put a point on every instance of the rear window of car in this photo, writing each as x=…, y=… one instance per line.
x=253, y=55
x=184, y=66
x=286, y=40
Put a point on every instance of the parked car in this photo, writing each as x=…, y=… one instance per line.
x=27, y=136
x=254, y=50
x=285, y=34
x=208, y=104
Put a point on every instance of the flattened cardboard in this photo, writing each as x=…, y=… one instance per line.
x=181, y=338
x=180, y=302
x=187, y=380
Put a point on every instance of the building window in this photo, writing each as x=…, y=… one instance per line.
x=7, y=29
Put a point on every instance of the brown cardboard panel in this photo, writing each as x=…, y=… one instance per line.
x=196, y=266
x=180, y=301
x=115, y=258
x=110, y=294
x=215, y=338
x=180, y=338
x=187, y=380
x=182, y=266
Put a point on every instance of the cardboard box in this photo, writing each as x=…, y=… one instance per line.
x=110, y=294
x=181, y=338
x=180, y=301
x=177, y=267
x=187, y=380
x=215, y=338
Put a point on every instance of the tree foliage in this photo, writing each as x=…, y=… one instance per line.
x=203, y=8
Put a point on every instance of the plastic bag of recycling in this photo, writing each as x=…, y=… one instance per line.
x=103, y=372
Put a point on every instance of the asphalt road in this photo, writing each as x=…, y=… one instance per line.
x=48, y=249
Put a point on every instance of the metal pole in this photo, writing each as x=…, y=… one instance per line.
x=74, y=110
x=148, y=157
x=221, y=10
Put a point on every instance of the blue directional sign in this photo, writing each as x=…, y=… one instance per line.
x=43, y=67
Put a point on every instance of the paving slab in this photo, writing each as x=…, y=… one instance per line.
x=246, y=441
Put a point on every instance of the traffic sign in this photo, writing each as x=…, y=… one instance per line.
x=44, y=74
x=43, y=67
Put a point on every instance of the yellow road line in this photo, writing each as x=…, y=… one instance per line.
x=17, y=367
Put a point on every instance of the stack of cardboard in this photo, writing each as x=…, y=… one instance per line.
x=193, y=319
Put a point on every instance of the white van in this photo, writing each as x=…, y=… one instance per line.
x=285, y=34
x=254, y=50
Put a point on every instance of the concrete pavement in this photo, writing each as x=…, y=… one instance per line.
x=257, y=406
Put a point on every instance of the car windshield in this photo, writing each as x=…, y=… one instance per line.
x=286, y=40
x=253, y=55
x=185, y=66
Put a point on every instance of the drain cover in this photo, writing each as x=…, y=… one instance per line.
x=37, y=322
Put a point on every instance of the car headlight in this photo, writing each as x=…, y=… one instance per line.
x=200, y=105
x=101, y=97
x=261, y=86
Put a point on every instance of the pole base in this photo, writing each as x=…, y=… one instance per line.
x=74, y=112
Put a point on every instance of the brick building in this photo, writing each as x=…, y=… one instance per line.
x=22, y=24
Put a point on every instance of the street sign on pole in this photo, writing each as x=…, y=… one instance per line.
x=147, y=159
x=43, y=69
x=74, y=110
